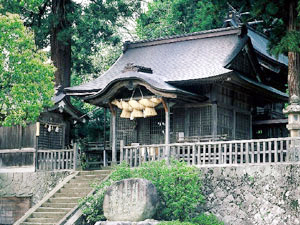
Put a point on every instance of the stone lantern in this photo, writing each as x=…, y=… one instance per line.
x=293, y=112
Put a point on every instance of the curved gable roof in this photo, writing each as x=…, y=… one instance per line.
x=188, y=57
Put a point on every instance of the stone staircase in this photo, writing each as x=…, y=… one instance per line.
x=63, y=201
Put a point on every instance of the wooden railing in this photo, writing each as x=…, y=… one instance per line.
x=61, y=159
x=17, y=158
x=97, y=154
x=38, y=160
x=256, y=151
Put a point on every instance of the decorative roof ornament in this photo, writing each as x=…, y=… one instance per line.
x=136, y=68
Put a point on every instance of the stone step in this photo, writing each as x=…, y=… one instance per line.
x=74, y=189
x=56, y=215
x=59, y=205
x=106, y=172
x=32, y=223
x=64, y=200
x=49, y=209
x=78, y=185
x=71, y=193
x=87, y=179
x=42, y=220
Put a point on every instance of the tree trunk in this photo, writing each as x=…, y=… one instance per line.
x=61, y=42
x=293, y=57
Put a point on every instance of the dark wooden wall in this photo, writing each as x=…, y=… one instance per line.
x=17, y=137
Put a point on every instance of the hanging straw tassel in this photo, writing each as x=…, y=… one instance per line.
x=126, y=106
x=117, y=103
x=149, y=111
x=135, y=105
x=147, y=103
x=156, y=101
x=136, y=114
x=125, y=114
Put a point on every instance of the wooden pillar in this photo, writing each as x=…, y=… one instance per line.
x=250, y=136
x=113, y=138
x=214, y=110
x=75, y=148
x=167, y=128
x=104, y=128
x=187, y=122
x=234, y=125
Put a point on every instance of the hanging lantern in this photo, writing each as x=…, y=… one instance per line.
x=126, y=106
x=147, y=103
x=149, y=111
x=156, y=101
x=117, y=103
x=135, y=105
x=125, y=114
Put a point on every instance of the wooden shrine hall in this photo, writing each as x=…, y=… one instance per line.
x=213, y=85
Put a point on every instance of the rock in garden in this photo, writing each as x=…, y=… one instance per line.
x=130, y=200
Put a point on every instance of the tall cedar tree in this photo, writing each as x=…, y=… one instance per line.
x=72, y=30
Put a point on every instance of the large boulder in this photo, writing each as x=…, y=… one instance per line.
x=130, y=200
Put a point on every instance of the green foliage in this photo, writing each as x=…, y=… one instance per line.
x=202, y=219
x=170, y=17
x=26, y=79
x=89, y=24
x=175, y=222
x=178, y=186
x=206, y=219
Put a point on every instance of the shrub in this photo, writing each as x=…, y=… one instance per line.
x=206, y=219
x=178, y=186
x=175, y=222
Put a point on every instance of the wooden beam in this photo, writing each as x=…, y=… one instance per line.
x=104, y=95
x=165, y=105
x=111, y=108
x=214, y=110
x=167, y=128
x=113, y=137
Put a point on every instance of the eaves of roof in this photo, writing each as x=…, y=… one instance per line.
x=155, y=81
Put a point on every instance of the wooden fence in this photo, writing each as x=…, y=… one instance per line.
x=97, y=154
x=257, y=151
x=39, y=160
x=60, y=159
x=17, y=137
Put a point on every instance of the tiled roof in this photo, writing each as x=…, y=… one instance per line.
x=196, y=56
x=154, y=80
x=260, y=44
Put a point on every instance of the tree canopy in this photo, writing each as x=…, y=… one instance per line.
x=280, y=22
x=26, y=77
x=170, y=17
x=73, y=30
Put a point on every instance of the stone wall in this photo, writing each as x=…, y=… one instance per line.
x=248, y=195
x=20, y=191
x=30, y=184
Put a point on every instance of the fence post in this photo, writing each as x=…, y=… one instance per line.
x=36, y=159
x=75, y=148
x=194, y=154
x=121, y=150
